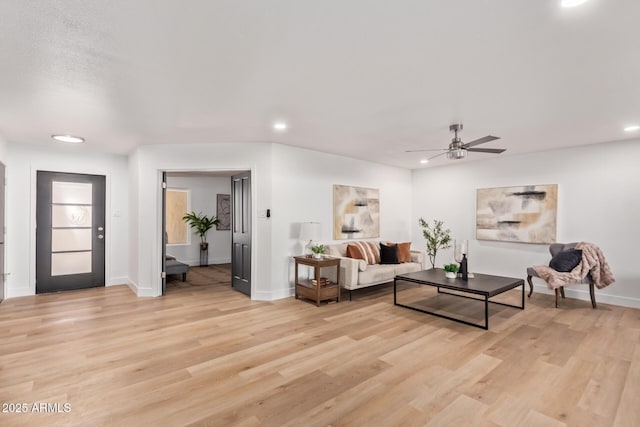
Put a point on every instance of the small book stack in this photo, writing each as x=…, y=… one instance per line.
x=323, y=281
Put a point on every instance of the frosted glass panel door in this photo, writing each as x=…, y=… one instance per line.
x=70, y=234
x=70, y=228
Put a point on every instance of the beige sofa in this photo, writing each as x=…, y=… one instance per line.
x=357, y=274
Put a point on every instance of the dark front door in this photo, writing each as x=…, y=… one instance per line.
x=241, y=232
x=1, y=232
x=70, y=231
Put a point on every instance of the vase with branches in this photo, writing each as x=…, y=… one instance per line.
x=437, y=238
x=201, y=223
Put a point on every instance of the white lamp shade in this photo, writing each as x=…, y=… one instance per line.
x=310, y=231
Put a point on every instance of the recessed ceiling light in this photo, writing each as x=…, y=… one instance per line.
x=632, y=128
x=280, y=126
x=68, y=138
x=423, y=161
x=571, y=3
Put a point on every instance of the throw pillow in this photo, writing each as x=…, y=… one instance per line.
x=374, y=249
x=388, y=254
x=368, y=251
x=566, y=261
x=354, y=252
x=404, y=251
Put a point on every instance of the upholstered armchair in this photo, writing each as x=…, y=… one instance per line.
x=555, y=249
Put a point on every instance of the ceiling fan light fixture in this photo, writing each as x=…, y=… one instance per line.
x=456, y=154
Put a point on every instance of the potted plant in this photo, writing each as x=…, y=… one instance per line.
x=437, y=238
x=317, y=250
x=451, y=270
x=201, y=224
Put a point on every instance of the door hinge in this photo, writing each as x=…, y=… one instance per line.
x=164, y=185
x=163, y=275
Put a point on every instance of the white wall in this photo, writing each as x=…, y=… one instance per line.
x=22, y=163
x=3, y=150
x=203, y=191
x=598, y=202
x=149, y=161
x=134, y=220
x=303, y=191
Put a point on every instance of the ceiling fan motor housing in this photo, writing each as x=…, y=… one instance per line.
x=456, y=153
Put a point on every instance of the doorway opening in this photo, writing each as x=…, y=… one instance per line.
x=196, y=254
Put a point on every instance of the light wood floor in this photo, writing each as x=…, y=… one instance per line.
x=206, y=355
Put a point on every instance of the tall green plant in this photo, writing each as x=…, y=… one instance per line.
x=201, y=224
x=436, y=237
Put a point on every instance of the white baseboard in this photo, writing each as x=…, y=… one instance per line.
x=18, y=292
x=274, y=295
x=146, y=292
x=582, y=293
x=117, y=281
x=141, y=292
x=132, y=285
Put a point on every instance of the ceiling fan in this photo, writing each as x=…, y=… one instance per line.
x=457, y=150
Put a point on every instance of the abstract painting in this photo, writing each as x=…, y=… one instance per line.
x=356, y=212
x=524, y=214
x=223, y=211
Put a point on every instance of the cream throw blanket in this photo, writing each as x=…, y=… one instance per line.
x=593, y=262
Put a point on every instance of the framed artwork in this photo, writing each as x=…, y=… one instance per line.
x=524, y=214
x=223, y=211
x=356, y=212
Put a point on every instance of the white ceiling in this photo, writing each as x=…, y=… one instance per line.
x=361, y=78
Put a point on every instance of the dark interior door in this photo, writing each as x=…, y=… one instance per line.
x=163, y=262
x=241, y=232
x=70, y=231
x=1, y=232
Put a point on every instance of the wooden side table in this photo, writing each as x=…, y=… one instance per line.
x=306, y=288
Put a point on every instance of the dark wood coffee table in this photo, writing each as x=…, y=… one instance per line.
x=483, y=285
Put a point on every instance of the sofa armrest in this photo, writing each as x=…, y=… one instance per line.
x=419, y=257
x=349, y=269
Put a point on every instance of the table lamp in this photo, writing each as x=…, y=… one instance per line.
x=309, y=232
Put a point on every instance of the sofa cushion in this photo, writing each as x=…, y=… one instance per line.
x=566, y=261
x=378, y=273
x=388, y=254
x=404, y=251
x=368, y=251
x=407, y=267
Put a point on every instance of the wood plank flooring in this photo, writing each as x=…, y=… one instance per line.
x=208, y=356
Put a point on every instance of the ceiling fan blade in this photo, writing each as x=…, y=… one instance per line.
x=437, y=155
x=487, y=150
x=482, y=140
x=427, y=149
